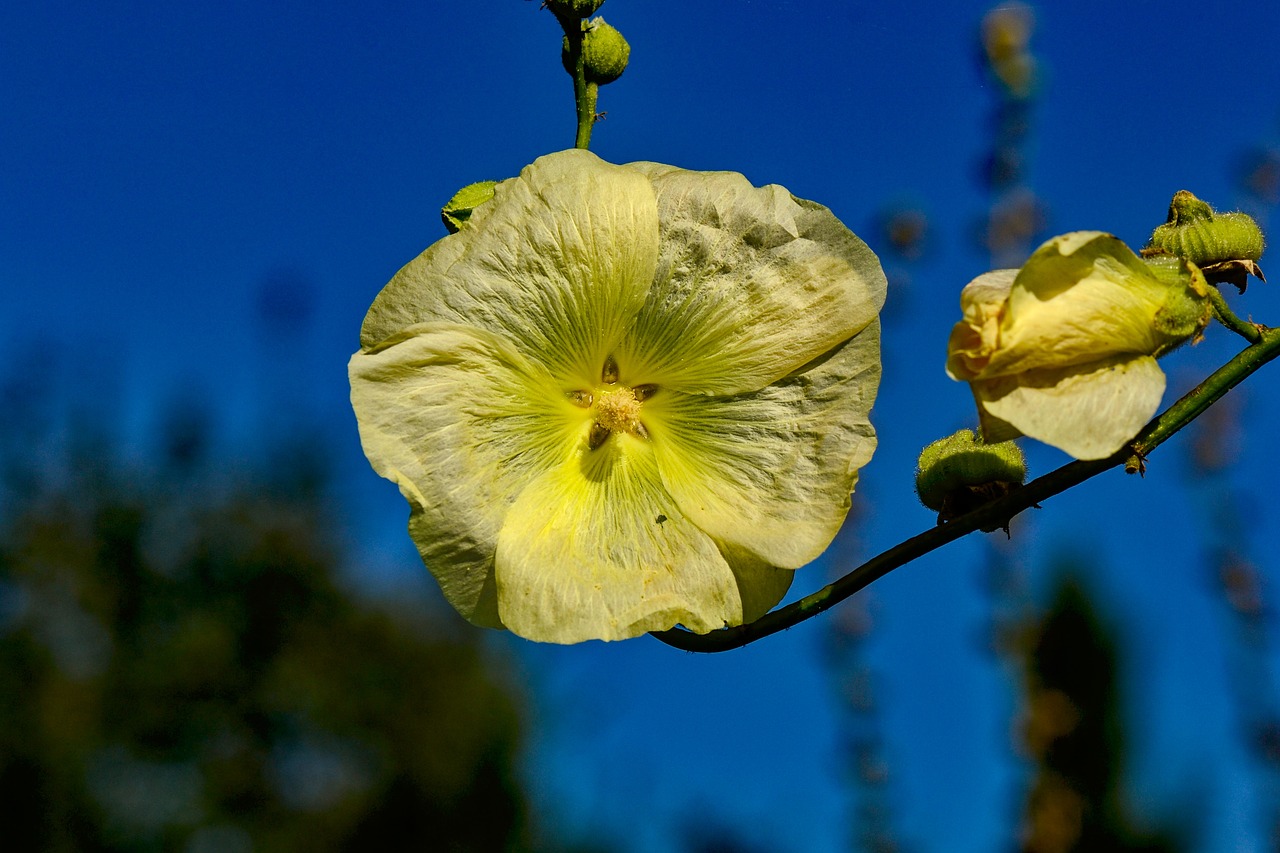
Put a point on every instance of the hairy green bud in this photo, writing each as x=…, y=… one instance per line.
x=1195, y=232
x=959, y=473
x=457, y=211
x=604, y=52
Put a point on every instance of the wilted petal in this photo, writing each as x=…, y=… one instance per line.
x=751, y=284
x=977, y=335
x=559, y=262
x=1090, y=411
x=1068, y=357
x=597, y=549
x=771, y=471
x=461, y=422
x=1080, y=297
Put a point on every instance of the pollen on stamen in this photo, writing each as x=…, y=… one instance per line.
x=618, y=410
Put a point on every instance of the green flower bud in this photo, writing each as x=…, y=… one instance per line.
x=574, y=8
x=457, y=211
x=960, y=473
x=1195, y=232
x=604, y=52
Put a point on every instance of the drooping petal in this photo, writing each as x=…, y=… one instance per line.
x=595, y=548
x=751, y=284
x=771, y=471
x=1090, y=411
x=559, y=262
x=462, y=423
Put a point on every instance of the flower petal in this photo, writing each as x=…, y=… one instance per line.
x=760, y=584
x=1090, y=411
x=558, y=262
x=771, y=471
x=751, y=284
x=461, y=422
x=596, y=549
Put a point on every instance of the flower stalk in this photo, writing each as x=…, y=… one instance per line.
x=1251, y=332
x=585, y=93
x=1265, y=348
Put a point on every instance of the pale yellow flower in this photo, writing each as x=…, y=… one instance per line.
x=1064, y=349
x=623, y=398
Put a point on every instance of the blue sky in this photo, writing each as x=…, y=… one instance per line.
x=162, y=160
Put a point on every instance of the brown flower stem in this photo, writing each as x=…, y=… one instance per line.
x=995, y=514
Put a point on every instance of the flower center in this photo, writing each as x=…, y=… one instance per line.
x=618, y=410
x=614, y=407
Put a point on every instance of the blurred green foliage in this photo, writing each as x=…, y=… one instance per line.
x=180, y=668
x=1074, y=734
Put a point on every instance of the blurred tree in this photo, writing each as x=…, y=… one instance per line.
x=179, y=669
x=1073, y=732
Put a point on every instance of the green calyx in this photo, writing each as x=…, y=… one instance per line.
x=604, y=52
x=1186, y=309
x=574, y=8
x=456, y=213
x=1195, y=232
x=959, y=473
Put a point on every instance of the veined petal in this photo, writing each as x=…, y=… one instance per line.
x=751, y=284
x=595, y=548
x=559, y=262
x=1090, y=411
x=462, y=423
x=771, y=471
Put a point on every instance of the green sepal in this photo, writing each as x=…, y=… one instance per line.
x=1186, y=309
x=457, y=211
x=1185, y=208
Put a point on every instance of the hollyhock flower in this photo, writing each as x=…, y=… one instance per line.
x=623, y=398
x=1064, y=349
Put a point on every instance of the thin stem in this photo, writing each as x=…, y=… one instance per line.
x=1227, y=317
x=996, y=513
x=584, y=93
x=586, y=96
